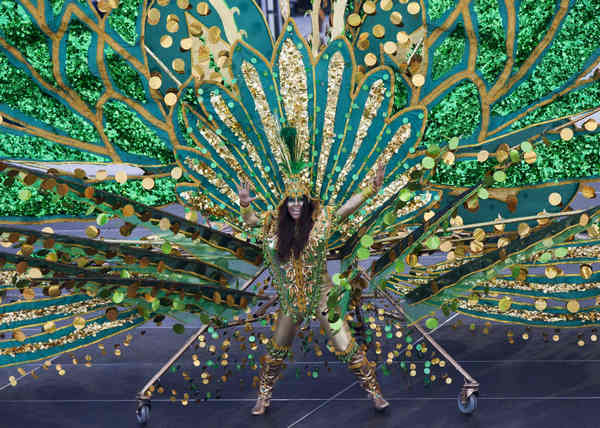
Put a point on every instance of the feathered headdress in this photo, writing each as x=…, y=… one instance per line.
x=295, y=184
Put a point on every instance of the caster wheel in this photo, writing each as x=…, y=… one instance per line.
x=143, y=414
x=468, y=407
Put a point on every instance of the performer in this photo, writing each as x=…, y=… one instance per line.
x=295, y=238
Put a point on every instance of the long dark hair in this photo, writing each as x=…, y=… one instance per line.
x=292, y=236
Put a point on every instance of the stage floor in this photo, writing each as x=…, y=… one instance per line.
x=526, y=384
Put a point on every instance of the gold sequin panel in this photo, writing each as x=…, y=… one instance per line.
x=413, y=205
x=391, y=148
x=91, y=329
x=294, y=93
x=268, y=122
x=204, y=169
x=264, y=184
x=335, y=74
x=530, y=315
x=70, y=309
x=370, y=110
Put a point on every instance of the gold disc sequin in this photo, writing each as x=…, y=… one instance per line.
x=504, y=304
x=172, y=23
x=148, y=183
x=566, y=134
x=591, y=125
x=503, y=242
x=379, y=31
x=121, y=177
x=178, y=65
x=586, y=271
x=483, y=155
x=523, y=229
x=203, y=9
x=554, y=199
x=386, y=5
x=176, y=173
x=418, y=80
x=164, y=224
x=183, y=4
x=79, y=323
x=34, y=273
x=363, y=43
x=92, y=231
x=128, y=210
x=530, y=157
x=186, y=43
x=354, y=20
x=390, y=48
x=476, y=247
x=370, y=59
x=402, y=38
x=396, y=18
x=573, y=306
x=446, y=246
x=479, y=234
x=449, y=158
x=153, y=16
x=428, y=215
x=166, y=41
x=541, y=304
x=171, y=99
x=413, y=8
x=588, y=192
x=551, y=272
x=19, y=335
x=155, y=83
x=369, y=7
x=28, y=293
x=101, y=174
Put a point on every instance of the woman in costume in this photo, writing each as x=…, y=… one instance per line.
x=295, y=240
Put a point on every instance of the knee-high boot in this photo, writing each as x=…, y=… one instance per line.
x=365, y=373
x=269, y=373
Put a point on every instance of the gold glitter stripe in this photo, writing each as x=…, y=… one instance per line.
x=294, y=93
x=397, y=141
x=372, y=106
x=270, y=125
x=229, y=119
x=209, y=173
x=70, y=309
x=335, y=73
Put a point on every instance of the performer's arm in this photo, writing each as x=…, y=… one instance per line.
x=357, y=200
x=246, y=210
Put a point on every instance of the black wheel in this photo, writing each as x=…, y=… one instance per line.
x=143, y=414
x=468, y=407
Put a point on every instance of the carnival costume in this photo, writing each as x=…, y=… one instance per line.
x=200, y=97
x=303, y=283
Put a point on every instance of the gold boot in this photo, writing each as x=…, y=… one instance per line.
x=365, y=373
x=268, y=375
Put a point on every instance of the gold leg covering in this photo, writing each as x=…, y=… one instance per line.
x=269, y=373
x=364, y=371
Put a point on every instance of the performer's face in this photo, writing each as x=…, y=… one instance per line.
x=295, y=207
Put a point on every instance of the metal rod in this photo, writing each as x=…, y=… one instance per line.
x=185, y=346
x=431, y=340
x=426, y=335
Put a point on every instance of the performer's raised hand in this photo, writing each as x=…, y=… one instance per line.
x=378, y=180
x=244, y=193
